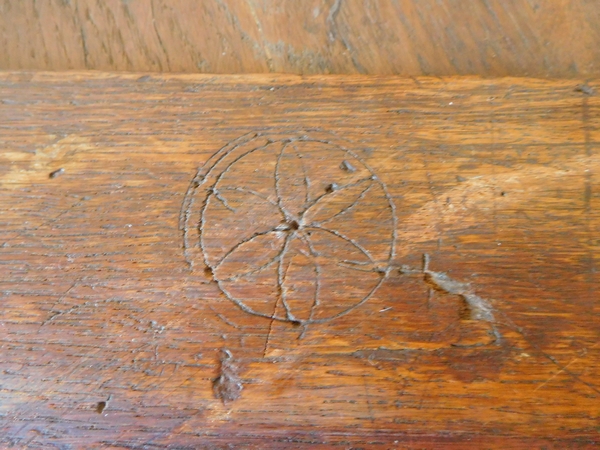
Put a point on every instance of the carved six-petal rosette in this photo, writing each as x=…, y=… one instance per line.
x=295, y=227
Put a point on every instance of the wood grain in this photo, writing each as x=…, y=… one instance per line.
x=551, y=38
x=161, y=289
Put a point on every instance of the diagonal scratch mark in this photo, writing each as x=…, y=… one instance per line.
x=224, y=319
x=438, y=224
x=317, y=266
x=245, y=241
x=306, y=179
x=223, y=200
x=352, y=205
x=60, y=299
x=339, y=189
x=561, y=371
x=248, y=191
x=345, y=238
x=281, y=274
x=253, y=271
x=555, y=375
x=285, y=213
x=280, y=296
x=78, y=307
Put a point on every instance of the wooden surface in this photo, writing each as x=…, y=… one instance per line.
x=542, y=38
x=203, y=261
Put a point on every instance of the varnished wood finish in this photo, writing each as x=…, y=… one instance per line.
x=549, y=38
x=115, y=333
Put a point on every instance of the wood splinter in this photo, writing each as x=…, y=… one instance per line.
x=227, y=386
x=479, y=308
x=56, y=173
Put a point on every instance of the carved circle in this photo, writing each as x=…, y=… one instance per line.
x=292, y=227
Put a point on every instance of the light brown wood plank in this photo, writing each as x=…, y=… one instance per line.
x=169, y=269
x=551, y=38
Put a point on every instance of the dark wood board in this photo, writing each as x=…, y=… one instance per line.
x=192, y=261
x=549, y=38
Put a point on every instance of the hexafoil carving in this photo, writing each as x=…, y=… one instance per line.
x=294, y=227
